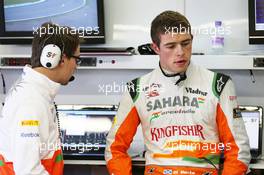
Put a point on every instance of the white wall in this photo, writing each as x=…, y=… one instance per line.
x=234, y=15
x=128, y=22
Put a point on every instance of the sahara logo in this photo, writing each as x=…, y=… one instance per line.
x=173, y=101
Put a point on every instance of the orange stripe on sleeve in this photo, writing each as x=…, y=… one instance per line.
x=120, y=164
x=231, y=164
x=6, y=168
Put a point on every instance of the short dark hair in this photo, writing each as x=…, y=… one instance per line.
x=168, y=20
x=66, y=38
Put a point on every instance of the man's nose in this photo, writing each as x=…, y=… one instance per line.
x=179, y=49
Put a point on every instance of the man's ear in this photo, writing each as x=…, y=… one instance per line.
x=63, y=57
x=156, y=48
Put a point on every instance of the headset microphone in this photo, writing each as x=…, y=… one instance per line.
x=72, y=78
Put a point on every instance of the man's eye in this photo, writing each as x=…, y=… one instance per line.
x=170, y=46
x=185, y=43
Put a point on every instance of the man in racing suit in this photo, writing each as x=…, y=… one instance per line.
x=186, y=113
x=29, y=130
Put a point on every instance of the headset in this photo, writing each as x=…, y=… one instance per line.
x=51, y=53
x=146, y=49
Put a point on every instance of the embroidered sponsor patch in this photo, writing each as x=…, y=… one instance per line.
x=151, y=171
x=232, y=98
x=29, y=135
x=30, y=123
x=154, y=116
x=167, y=171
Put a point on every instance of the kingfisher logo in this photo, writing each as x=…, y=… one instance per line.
x=172, y=102
x=176, y=130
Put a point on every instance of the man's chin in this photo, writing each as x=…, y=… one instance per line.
x=179, y=69
x=64, y=83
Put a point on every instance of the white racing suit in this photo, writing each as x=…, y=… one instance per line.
x=29, y=137
x=185, y=126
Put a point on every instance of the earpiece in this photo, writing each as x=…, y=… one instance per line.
x=50, y=56
x=51, y=53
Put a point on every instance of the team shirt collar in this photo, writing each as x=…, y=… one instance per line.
x=48, y=86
